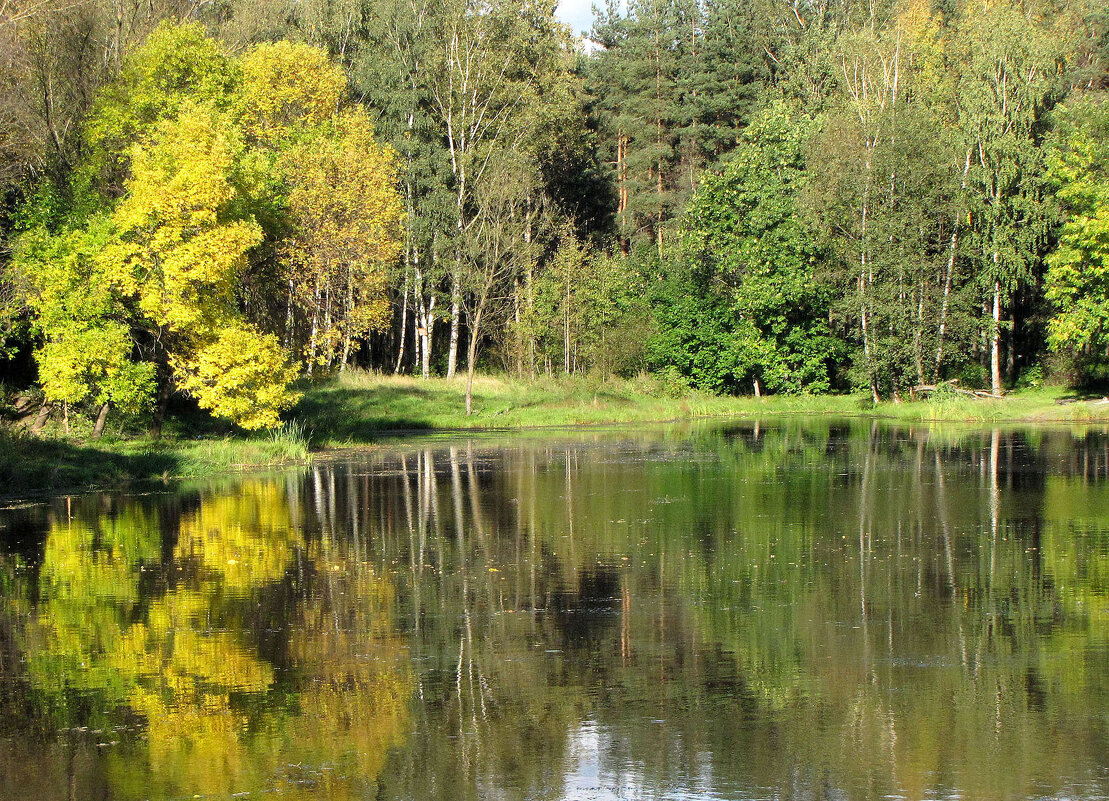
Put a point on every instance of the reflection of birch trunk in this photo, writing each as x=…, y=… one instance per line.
x=352, y=510
x=864, y=520
x=332, y=516
x=460, y=545
x=945, y=528
x=475, y=500
x=319, y=499
x=570, y=511
x=410, y=520
x=995, y=509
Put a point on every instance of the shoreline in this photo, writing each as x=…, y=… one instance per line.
x=365, y=411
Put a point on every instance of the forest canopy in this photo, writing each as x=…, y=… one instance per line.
x=742, y=196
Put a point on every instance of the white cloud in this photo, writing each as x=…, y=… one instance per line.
x=578, y=14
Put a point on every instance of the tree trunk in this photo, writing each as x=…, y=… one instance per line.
x=160, y=406
x=403, y=329
x=426, y=333
x=918, y=333
x=101, y=419
x=995, y=339
x=456, y=321
x=313, y=337
x=1011, y=351
x=43, y=416
x=471, y=356
x=949, y=273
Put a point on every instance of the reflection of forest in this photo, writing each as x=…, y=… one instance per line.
x=249, y=656
x=808, y=611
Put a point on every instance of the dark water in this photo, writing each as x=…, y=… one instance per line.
x=793, y=610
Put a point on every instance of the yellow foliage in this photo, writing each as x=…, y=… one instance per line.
x=285, y=85
x=347, y=216
x=177, y=250
x=182, y=253
x=242, y=375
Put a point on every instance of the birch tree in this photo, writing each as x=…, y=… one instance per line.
x=493, y=58
x=1009, y=76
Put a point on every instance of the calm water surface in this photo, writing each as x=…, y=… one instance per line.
x=783, y=611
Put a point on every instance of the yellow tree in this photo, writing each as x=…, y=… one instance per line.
x=286, y=86
x=180, y=252
x=341, y=206
x=346, y=216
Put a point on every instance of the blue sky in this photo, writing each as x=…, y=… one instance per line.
x=578, y=14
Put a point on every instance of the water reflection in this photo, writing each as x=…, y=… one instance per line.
x=794, y=610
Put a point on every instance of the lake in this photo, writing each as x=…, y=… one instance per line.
x=781, y=610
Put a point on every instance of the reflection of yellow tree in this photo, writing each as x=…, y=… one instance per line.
x=215, y=723
x=356, y=705
x=243, y=538
x=88, y=585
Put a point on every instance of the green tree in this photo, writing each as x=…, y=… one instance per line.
x=588, y=313
x=1077, y=279
x=744, y=225
x=1009, y=68
x=87, y=351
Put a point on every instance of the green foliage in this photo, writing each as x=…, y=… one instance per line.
x=87, y=352
x=693, y=334
x=1077, y=279
x=585, y=311
x=672, y=85
x=744, y=226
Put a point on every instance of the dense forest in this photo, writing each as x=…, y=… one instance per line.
x=214, y=199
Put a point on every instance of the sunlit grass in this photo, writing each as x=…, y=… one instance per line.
x=1038, y=405
x=41, y=464
x=358, y=406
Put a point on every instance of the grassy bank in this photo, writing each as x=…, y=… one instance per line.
x=1039, y=405
x=358, y=407
x=30, y=464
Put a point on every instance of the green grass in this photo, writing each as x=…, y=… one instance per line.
x=357, y=408
x=30, y=464
x=1039, y=405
